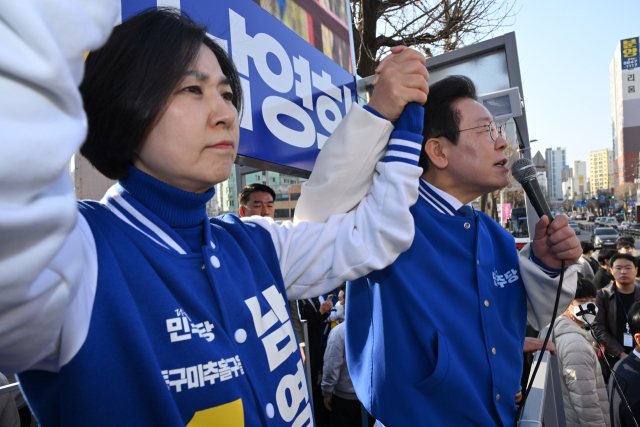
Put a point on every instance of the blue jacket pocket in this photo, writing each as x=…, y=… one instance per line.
x=430, y=384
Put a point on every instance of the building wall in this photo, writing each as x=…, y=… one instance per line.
x=88, y=183
x=580, y=185
x=601, y=169
x=625, y=111
x=555, y=164
x=286, y=201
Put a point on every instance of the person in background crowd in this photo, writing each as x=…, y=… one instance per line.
x=588, y=249
x=628, y=370
x=584, y=261
x=257, y=199
x=611, y=325
x=603, y=275
x=315, y=312
x=339, y=395
x=584, y=391
x=9, y=416
x=626, y=245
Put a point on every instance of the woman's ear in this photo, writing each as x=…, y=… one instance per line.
x=436, y=150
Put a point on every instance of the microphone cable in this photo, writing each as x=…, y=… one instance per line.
x=544, y=345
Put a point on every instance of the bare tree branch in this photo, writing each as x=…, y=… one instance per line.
x=432, y=26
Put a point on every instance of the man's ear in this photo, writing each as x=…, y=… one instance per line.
x=241, y=211
x=436, y=150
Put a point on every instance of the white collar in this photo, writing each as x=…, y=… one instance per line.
x=636, y=353
x=455, y=203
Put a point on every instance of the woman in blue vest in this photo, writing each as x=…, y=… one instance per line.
x=138, y=309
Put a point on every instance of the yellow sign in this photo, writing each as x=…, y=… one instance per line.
x=227, y=415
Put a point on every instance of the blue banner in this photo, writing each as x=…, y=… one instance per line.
x=295, y=96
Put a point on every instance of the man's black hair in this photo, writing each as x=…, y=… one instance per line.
x=623, y=256
x=585, y=289
x=605, y=254
x=243, y=197
x=625, y=241
x=129, y=80
x=440, y=115
x=634, y=319
x=586, y=247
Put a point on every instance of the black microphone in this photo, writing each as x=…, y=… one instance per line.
x=524, y=171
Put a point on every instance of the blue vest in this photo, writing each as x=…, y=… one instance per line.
x=436, y=337
x=178, y=337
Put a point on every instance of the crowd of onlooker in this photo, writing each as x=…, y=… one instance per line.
x=600, y=333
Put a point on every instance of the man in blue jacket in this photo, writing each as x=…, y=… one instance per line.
x=437, y=337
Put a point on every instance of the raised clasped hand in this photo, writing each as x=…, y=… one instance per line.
x=400, y=78
x=556, y=243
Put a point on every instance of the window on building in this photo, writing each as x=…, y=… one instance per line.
x=281, y=197
x=293, y=211
x=295, y=196
x=281, y=213
x=273, y=179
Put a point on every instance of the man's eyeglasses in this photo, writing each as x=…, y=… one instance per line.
x=494, y=130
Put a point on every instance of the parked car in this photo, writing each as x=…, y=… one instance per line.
x=574, y=227
x=591, y=217
x=624, y=225
x=620, y=216
x=634, y=227
x=580, y=216
x=604, y=237
x=610, y=222
x=600, y=220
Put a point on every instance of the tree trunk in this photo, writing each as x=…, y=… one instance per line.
x=366, y=55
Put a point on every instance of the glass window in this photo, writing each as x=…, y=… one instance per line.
x=281, y=197
x=282, y=213
x=295, y=196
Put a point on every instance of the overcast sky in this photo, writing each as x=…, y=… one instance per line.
x=565, y=49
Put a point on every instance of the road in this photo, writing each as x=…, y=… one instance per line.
x=586, y=236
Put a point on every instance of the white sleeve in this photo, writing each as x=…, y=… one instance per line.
x=46, y=253
x=316, y=258
x=541, y=290
x=326, y=192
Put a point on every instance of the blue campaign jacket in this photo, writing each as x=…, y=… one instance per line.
x=421, y=333
x=218, y=352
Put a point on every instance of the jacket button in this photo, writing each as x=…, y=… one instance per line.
x=203, y=266
x=486, y=303
x=497, y=397
x=270, y=411
x=478, y=263
x=493, y=350
x=240, y=336
x=215, y=261
x=466, y=225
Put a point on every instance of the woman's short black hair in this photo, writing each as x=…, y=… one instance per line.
x=440, y=115
x=129, y=80
x=585, y=289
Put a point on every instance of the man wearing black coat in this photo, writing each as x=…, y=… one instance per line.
x=629, y=379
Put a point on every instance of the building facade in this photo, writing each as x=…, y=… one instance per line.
x=601, y=170
x=624, y=75
x=555, y=160
x=580, y=184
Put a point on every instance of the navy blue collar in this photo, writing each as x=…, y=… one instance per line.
x=177, y=208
